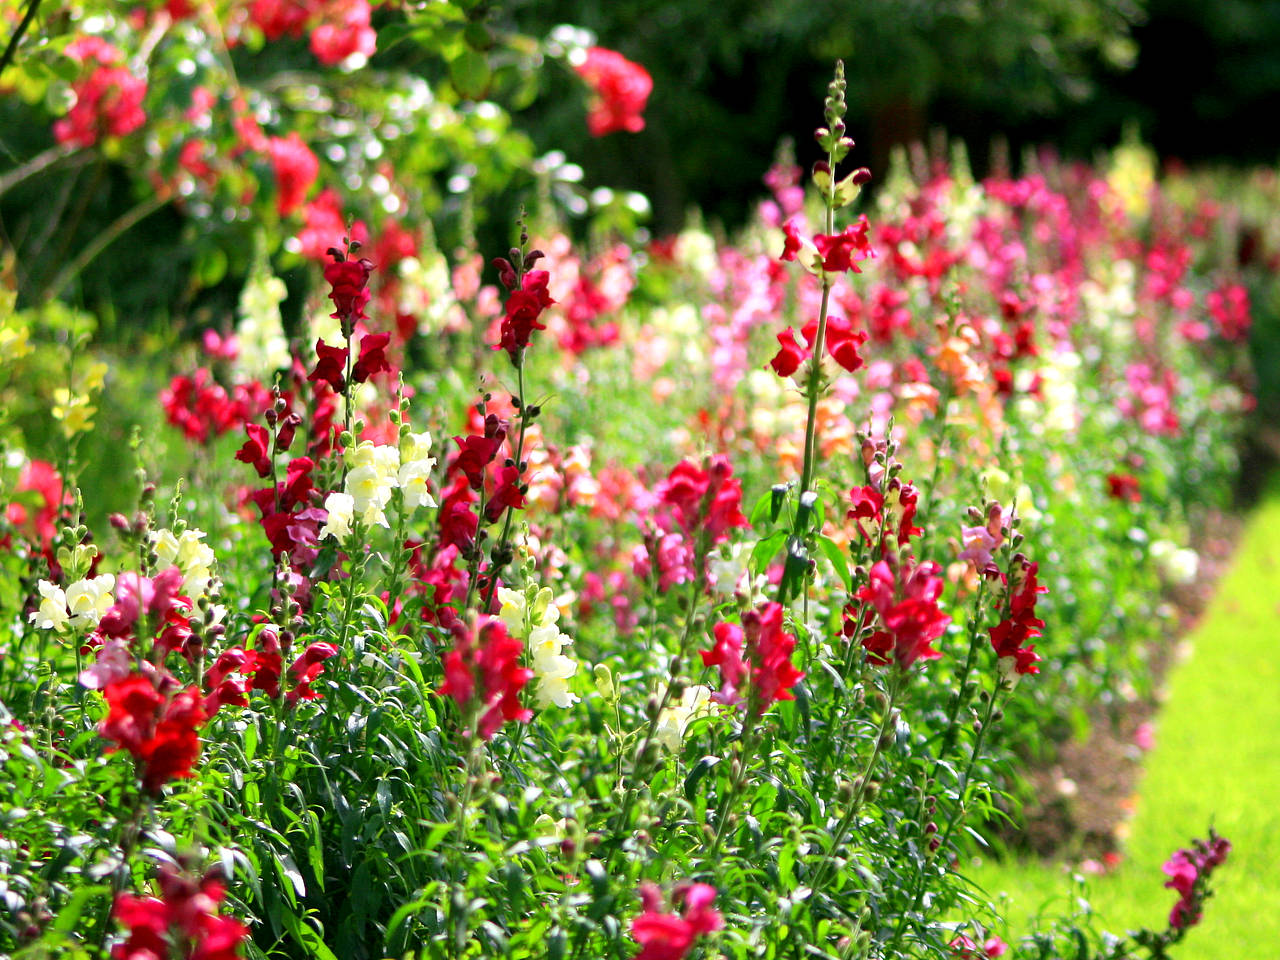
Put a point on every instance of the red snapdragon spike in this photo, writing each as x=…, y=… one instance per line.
x=458, y=522
x=769, y=648
x=183, y=922
x=295, y=168
x=621, y=89
x=1009, y=637
x=670, y=936
x=523, y=309
x=1188, y=872
x=173, y=749
x=1229, y=307
x=866, y=511
x=483, y=672
x=907, y=603
x=257, y=449
x=331, y=366
x=284, y=436
x=345, y=29
x=373, y=358
x=349, y=282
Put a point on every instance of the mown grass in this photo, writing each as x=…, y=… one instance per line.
x=1216, y=760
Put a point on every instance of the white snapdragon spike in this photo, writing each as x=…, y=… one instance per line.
x=52, y=614
x=341, y=509
x=263, y=346
x=89, y=599
x=551, y=667
x=371, y=478
x=675, y=719
x=535, y=623
x=415, y=470
x=190, y=554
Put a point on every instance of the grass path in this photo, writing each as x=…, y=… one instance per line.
x=1216, y=760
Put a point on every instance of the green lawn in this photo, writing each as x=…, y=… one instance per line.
x=1216, y=760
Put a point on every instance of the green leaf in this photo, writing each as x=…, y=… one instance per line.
x=469, y=71
x=839, y=561
x=700, y=770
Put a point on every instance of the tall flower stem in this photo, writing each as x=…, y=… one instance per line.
x=500, y=549
x=957, y=815
x=896, y=683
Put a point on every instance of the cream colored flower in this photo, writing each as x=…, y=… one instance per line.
x=675, y=719
x=340, y=507
x=53, y=607
x=89, y=599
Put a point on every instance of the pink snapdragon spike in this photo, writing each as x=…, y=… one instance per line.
x=620, y=91
x=965, y=948
x=1188, y=871
x=108, y=101
x=760, y=649
x=295, y=168
x=670, y=936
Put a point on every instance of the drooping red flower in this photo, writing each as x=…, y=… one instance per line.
x=621, y=90
x=789, y=356
x=792, y=243
x=295, y=168
x=306, y=669
x=841, y=339
x=483, y=673
x=373, y=358
x=669, y=936
x=507, y=493
x=257, y=449
x=331, y=366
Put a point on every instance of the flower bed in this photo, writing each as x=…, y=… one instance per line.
x=716, y=620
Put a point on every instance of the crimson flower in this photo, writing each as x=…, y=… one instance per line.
x=331, y=366
x=257, y=449
x=841, y=339
x=295, y=168
x=1021, y=624
x=373, y=359
x=523, y=309
x=621, y=89
x=1188, y=872
x=845, y=250
x=1124, y=486
x=477, y=452
x=349, y=283
x=906, y=599
x=483, y=673
x=669, y=936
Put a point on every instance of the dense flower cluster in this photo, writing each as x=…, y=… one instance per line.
x=758, y=649
x=482, y=674
x=158, y=730
x=108, y=101
x=670, y=936
x=523, y=309
x=621, y=89
x=904, y=594
x=181, y=924
x=533, y=619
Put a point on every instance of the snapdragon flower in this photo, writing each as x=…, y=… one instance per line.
x=340, y=508
x=188, y=553
x=415, y=470
x=674, y=720
x=371, y=478
x=90, y=598
x=534, y=621
x=52, y=614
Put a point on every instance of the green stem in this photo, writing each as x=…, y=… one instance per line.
x=860, y=790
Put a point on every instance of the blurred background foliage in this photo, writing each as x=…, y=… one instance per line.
x=502, y=123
